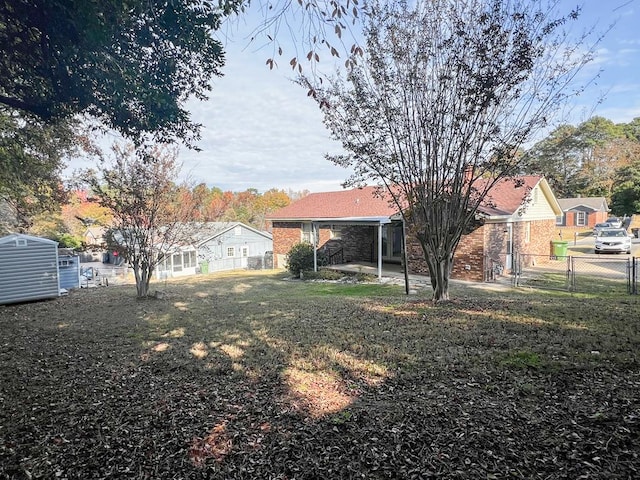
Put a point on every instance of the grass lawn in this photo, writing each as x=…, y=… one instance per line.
x=254, y=376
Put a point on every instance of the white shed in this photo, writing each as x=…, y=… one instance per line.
x=28, y=269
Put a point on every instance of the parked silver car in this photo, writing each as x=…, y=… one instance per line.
x=600, y=226
x=615, y=222
x=613, y=240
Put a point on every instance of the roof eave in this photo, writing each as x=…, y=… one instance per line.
x=377, y=219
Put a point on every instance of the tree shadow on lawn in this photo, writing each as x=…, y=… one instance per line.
x=254, y=377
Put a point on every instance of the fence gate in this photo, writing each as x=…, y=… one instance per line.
x=587, y=274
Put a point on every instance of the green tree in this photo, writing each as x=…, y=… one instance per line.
x=558, y=158
x=632, y=129
x=31, y=159
x=130, y=64
x=602, y=146
x=447, y=94
x=625, y=199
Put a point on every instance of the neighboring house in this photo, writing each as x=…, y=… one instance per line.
x=231, y=246
x=94, y=237
x=28, y=269
x=355, y=225
x=95, y=244
x=210, y=247
x=582, y=213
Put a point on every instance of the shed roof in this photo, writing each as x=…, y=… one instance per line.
x=15, y=236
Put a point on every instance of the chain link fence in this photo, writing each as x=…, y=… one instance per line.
x=585, y=274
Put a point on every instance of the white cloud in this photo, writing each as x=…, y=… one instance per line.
x=261, y=131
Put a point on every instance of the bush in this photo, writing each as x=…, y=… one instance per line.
x=66, y=240
x=324, y=274
x=300, y=258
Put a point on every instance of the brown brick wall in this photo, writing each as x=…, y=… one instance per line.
x=468, y=261
x=488, y=241
x=287, y=234
x=357, y=242
x=470, y=252
x=542, y=232
x=415, y=257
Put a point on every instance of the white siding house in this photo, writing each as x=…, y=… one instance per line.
x=28, y=269
x=178, y=263
x=231, y=246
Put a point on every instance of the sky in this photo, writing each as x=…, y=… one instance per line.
x=260, y=130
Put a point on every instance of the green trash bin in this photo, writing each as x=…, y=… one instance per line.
x=559, y=248
x=204, y=267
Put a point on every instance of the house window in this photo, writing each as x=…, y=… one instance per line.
x=237, y=230
x=177, y=262
x=162, y=264
x=244, y=251
x=336, y=232
x=21, y=242
x=581, y=219
x=189, y=259
x=231, y=251
x=527, y=232
x=560, y=219
x=307, y=230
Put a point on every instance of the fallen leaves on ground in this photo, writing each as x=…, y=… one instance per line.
x=269, y=381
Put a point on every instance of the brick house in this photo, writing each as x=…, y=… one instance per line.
x=358, y=226
x=582, y=213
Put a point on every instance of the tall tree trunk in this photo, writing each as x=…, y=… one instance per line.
x=143, y=277
x=439, y=271
x=439, y=261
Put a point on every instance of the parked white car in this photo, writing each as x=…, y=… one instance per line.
x=613, y=240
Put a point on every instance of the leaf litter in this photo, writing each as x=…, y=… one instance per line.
x=272, y=381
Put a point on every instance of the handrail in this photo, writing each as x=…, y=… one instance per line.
x=334, y=255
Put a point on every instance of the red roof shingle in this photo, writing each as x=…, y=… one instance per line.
x=503, y=199
x=508, y=195
x=358, y=203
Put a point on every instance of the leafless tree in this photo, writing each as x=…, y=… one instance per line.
x=447, y=93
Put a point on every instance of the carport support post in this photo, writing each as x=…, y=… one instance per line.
x=380, y=251
x=313, y=242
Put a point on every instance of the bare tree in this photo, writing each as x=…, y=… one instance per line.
x=445, y=97
x=150, y=221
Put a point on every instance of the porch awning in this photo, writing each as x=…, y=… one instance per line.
x=359, y=221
